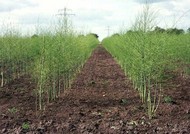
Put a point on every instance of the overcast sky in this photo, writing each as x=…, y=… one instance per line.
x=90, y=15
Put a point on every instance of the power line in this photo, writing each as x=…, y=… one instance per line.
x=108, y=29
x=64, y=18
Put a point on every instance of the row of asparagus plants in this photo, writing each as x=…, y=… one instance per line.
x=179, y=50
x=145, y=57
x=16, y=55
x=52, y=60
x=61, y=57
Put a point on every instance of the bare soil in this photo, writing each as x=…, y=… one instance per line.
x=101, y=101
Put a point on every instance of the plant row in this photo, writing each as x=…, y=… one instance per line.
x=51, y=60
x=146, y=57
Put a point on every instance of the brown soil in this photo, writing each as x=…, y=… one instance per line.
x=101, y=101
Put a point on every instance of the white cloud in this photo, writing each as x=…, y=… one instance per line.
x=151, y=1
x=11, y=5
x=91, y=15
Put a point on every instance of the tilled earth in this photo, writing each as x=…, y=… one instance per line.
x=101, y=101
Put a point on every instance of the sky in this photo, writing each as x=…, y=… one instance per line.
x=95, y=16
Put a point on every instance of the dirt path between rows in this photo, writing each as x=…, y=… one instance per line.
x=101, y=101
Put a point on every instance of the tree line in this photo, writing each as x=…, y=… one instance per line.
x=170, y=30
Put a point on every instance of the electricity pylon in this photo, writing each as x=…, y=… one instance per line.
x=63, y=21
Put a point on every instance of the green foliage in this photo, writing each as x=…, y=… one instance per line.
x=168, y=99
x=59, y=60
x=51, y=59
x=93, y=34
x=175, y=31
x=159, y=30
x=13, y=110
x=25, y=126
x=169, y=30
x=16, y=55
x=124, y=101
x=188, y=30
x=145, y=57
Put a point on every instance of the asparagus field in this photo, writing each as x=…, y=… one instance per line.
x=52, y=61
x=147, y=58
x=61, y=82
x=101, y=100
x=67, y=83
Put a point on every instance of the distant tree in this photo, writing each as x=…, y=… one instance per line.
x=180, y=31
x=34, y=36
x=81, y=35
x=133, y=31
x=175, y=31
x=130, y=31
x=188, y=30
x=93, y=34
x=116, y=34
x=159, y=30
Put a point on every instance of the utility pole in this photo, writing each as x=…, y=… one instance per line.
x=64, y=19
x=108, y=29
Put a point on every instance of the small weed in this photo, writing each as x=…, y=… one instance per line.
x=123, y=101
x=13, y=110
x=168, y=99
x=25, y=126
